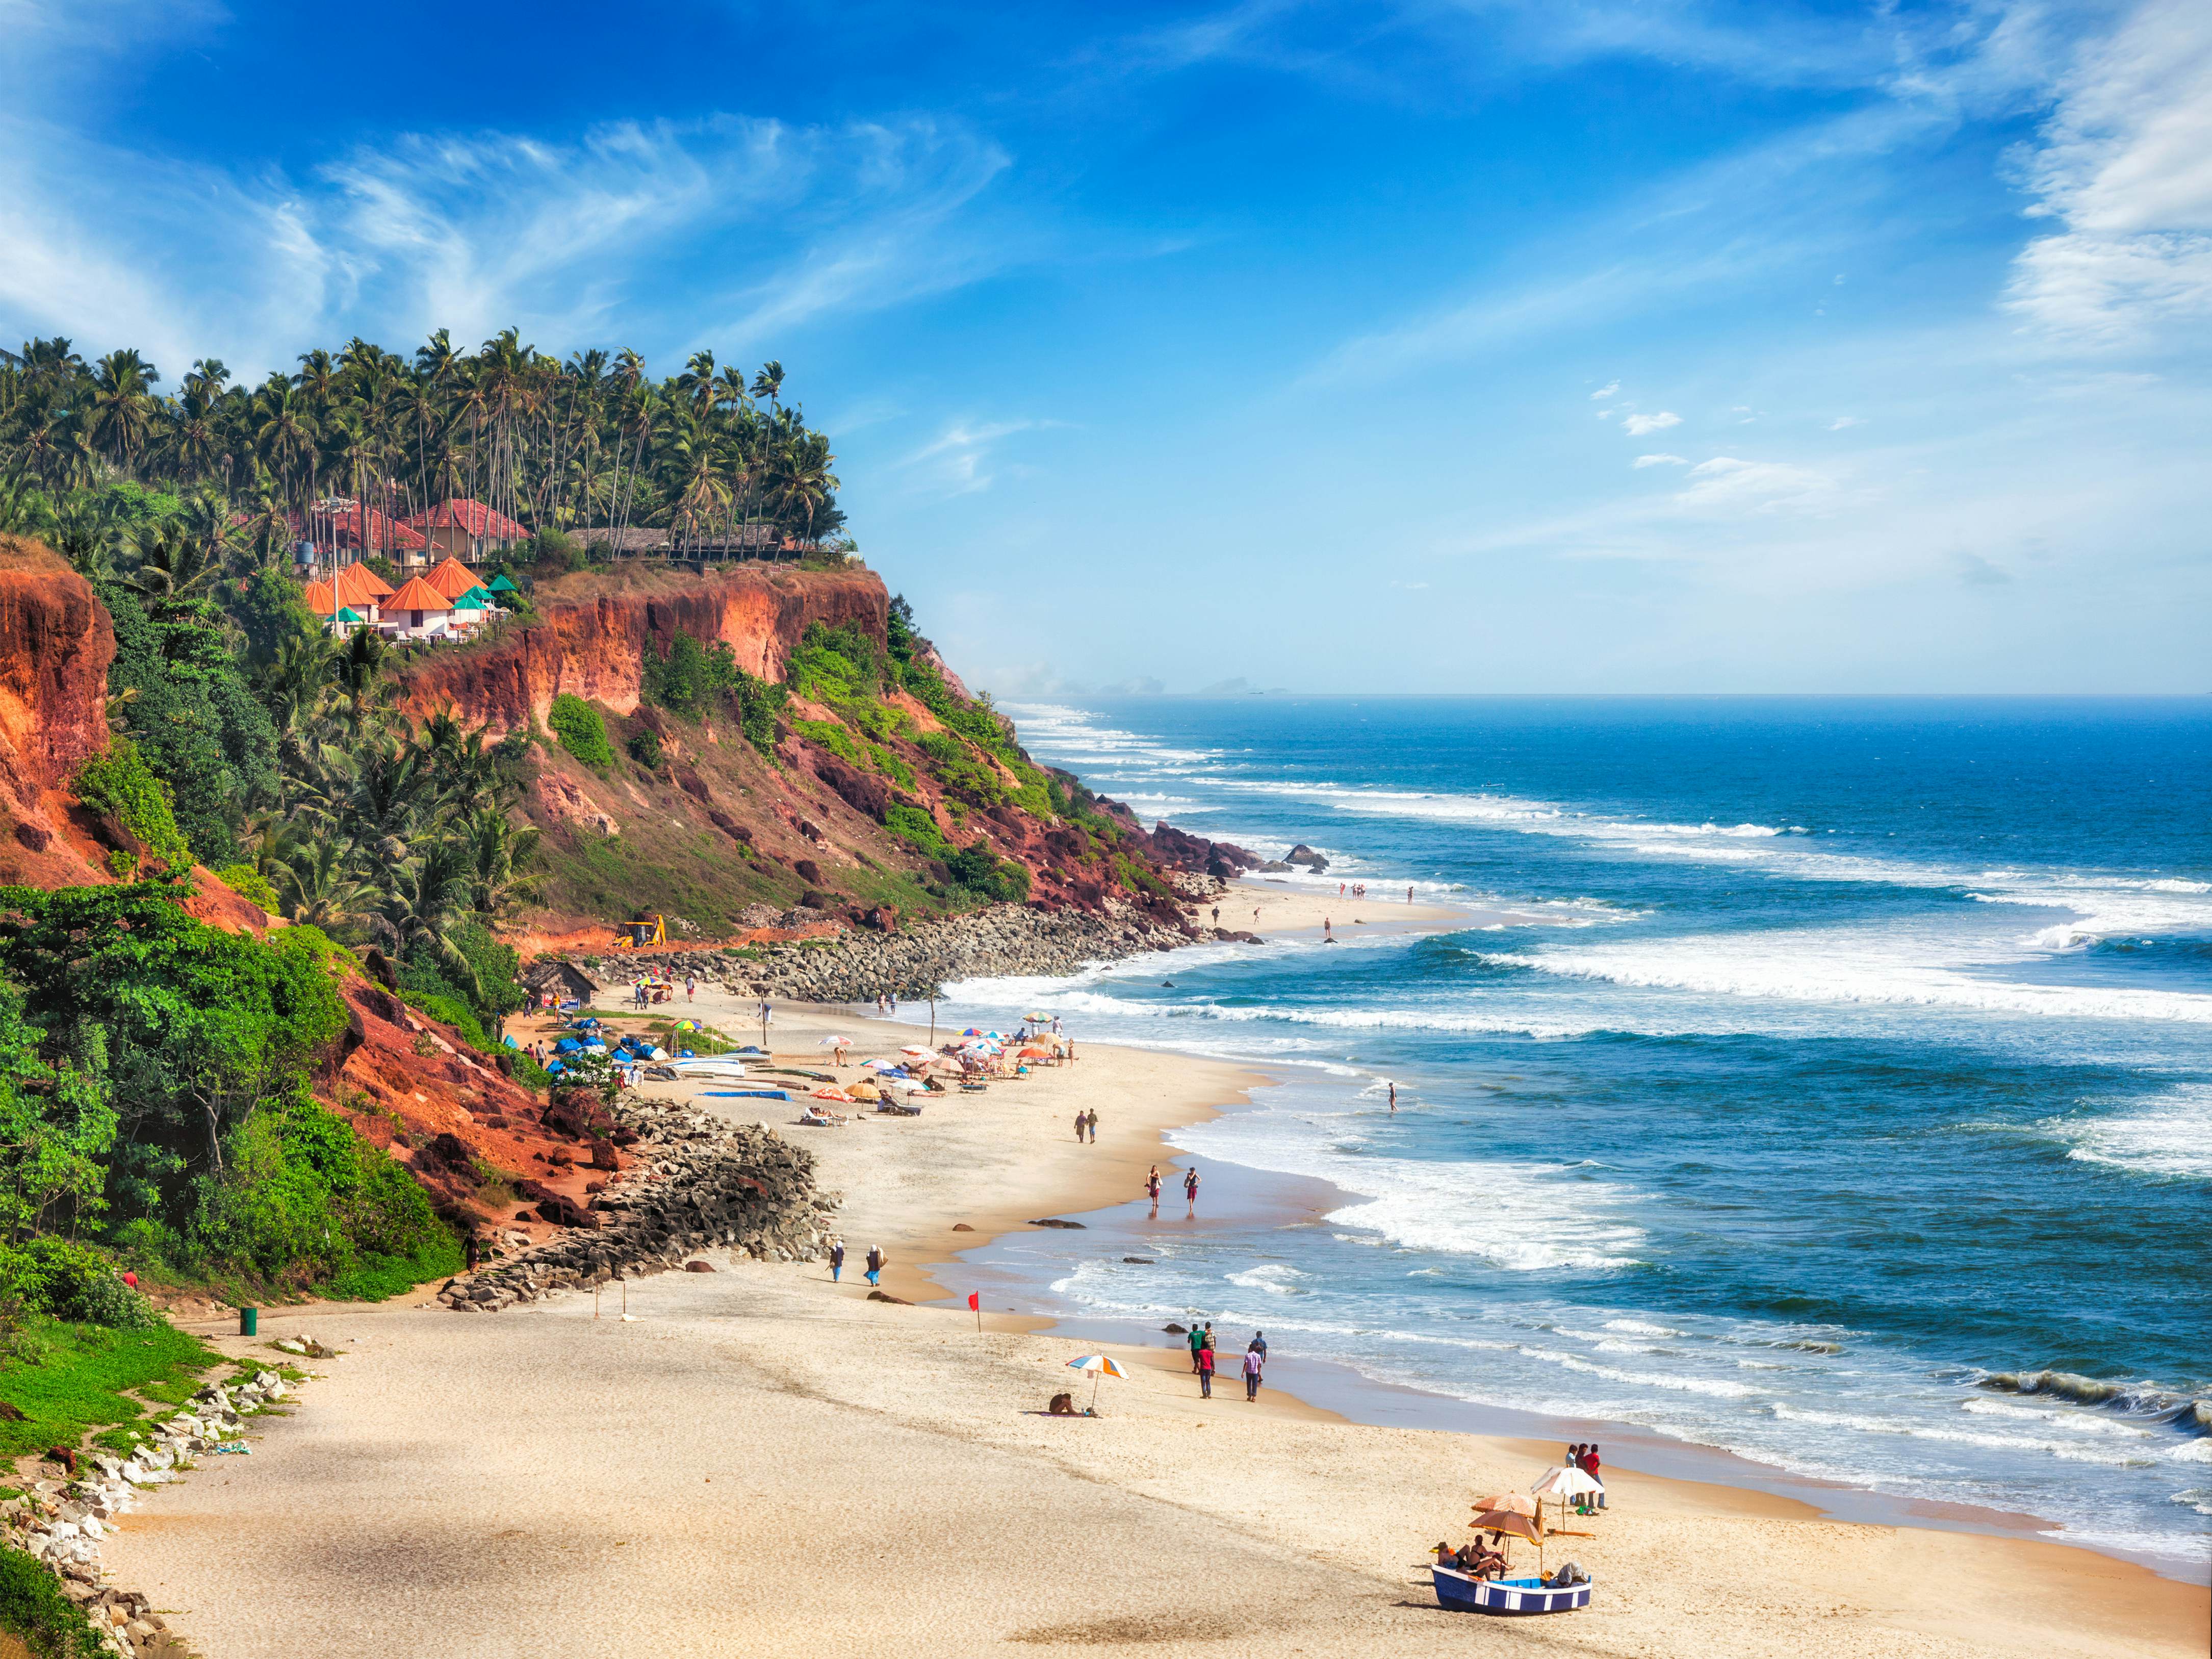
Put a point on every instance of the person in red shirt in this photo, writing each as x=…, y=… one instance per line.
x=1205, y=1370
x=1590, y=1468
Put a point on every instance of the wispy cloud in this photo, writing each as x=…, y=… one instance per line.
x=1635, y=426
x=1642, y=461
x=566, y=238
x=2124, y=167
x=1605, y=392
x=1843, y=421
x=959, y=460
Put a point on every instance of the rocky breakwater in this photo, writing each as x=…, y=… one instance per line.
x=696, y=1183
x=60, y=1523
x=858, y=966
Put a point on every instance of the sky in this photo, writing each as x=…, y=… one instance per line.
x=1447, y=346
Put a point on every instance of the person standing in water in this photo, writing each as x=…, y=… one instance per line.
x=1190, y=1191
x=1393, y=1100
x=1152, y=1190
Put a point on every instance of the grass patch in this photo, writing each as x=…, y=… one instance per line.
x=69, y=1380
x=33, y=1610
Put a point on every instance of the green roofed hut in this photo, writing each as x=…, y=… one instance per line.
x=501, y=585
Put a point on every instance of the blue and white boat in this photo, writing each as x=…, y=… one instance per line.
x=1463, y=1593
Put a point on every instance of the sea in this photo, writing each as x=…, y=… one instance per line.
x=1821, y=1084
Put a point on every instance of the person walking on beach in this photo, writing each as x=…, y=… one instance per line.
x=1190, y=1191
x=1254, y=1359
x=875, y=1260
x=837, y=1261
x=1152, y=1190
x=1080, y=1122
x=1094, y=1126
x=1206, y=1371
x=1197, y=1340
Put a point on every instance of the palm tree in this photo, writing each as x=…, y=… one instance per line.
x=123, y=407
x=314, y=887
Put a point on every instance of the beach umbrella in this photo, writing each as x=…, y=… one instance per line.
x=1513, y=1524
x=828, y=1091
x=1563, y=1482
x=1034, y=1020
x=918, y=1053
x=1034, y=1052
x=836, y=1042
x=1512, y=1502
x=972, y=1031
x=1098, y=1365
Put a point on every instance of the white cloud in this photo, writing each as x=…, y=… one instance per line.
x=1605, y=392
x=1642, y=461
x=1637, y=425
x=566, y=238
x=2124, y=166
x=1843, y=421
x=957, y=462
x=1726, y=484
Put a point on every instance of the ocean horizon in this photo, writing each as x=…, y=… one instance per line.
x=1825, y=1081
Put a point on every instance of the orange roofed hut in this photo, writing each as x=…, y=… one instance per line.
x=416, y=611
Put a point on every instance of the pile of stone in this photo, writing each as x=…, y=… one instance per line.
x=695, y=1183
x=859, y=967
x=63, y=1523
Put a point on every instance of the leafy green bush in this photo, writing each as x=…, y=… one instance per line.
x=917, y=829
x=34, y=1609
x=303, y=1198
x=119, y=785
x=71, y=1281
x=831, y=736
x=975, y=869
x=249, y=883
x=554, y=552
x=644, y=746
x=582, y=733
x=758, y=703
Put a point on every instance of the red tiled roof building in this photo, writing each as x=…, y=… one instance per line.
x=465, y=529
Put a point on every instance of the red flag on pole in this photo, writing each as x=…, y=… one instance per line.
x=975, y=1307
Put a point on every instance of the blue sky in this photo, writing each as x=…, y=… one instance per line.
x=1478, y=346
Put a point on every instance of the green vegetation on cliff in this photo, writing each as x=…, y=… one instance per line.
x=154, y=1096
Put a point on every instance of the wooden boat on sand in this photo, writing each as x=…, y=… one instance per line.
x=1514, y=1597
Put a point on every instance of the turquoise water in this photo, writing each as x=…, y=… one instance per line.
x=1835, y=1065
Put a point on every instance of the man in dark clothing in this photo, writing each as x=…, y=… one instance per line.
x=1197, y=1341
x=1205, y=1372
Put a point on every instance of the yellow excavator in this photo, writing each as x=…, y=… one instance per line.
x=636, y=935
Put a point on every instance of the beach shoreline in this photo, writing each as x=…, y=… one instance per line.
x=752, y=1429
x=944, y=1268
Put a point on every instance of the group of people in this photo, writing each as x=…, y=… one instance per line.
x=1582, y=1455
x=1476, y=1560
x=878, y=1259
x=1087, y=1123
x=647, y=991
x=1203, y=1366
x=1153, y=1183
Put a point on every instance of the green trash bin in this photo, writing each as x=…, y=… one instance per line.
x=249, y=1321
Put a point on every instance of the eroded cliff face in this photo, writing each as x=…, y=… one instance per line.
x=55, y=643
x=593, y=630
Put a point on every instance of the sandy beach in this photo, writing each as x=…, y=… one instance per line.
x=764, y=1463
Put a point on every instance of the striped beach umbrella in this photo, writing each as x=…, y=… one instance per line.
x=1098, y=1365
